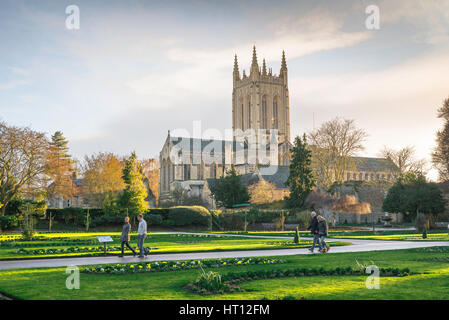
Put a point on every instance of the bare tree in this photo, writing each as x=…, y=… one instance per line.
x=404, y=159
x=23, y=161
x=333, y=145
x=261, y=192
x=440, y=155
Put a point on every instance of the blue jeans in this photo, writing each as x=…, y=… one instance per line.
x=140, y=241
x=323, y=243
x=316, y=239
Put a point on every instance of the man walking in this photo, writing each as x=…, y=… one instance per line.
x=313, y=227
x=322, y=233
x=141, y=235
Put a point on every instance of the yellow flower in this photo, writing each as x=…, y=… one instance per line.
x=239, y=262
x=149, y=266
x=140, y=267
x=131, y=266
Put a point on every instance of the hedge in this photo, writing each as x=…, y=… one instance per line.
x=232, y=220
x=8, y=222
x=160, y=211
x=190, y=215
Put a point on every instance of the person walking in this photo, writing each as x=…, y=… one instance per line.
x=322, y=233
x=141, y=235
x=313, y=227
x=124, y=238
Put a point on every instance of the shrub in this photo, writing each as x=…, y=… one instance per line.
x=296, y=240
x=210, y=281
x=8, y=222
x=154, y=219
x=194, y=215
x=233, y=220
x=163, y=212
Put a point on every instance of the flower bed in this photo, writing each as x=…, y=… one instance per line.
x=14, y=244
x=161, y=266
x=65, y=250
x=231, y=281
x=182, y=235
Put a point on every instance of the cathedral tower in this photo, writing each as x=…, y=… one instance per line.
x=261, y=100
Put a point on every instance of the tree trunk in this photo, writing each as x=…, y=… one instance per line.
x=3, y=209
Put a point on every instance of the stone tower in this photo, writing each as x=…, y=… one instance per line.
x=261, y=100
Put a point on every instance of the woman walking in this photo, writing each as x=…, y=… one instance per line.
x=125, y=237
x=322, y=233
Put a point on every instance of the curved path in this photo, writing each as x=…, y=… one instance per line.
x=357, y=246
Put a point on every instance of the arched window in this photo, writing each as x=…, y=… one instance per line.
x=187, y=172
x=249, y=112
x=213, y=171
x=275, y=113
x=264, y=113
x=242, y=116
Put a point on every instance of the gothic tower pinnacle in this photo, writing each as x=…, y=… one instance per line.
x=236, y=72
x=254, y=64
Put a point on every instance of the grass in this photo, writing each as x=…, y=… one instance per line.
x=49, y=283
x=158, y=242
x=400, y=235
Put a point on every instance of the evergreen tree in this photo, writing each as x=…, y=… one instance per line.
x=424, y=233
x=229, y=191
x=60, y=167
x=297, y=238
x=301, y=180
x=413, y=195
x=135, y=192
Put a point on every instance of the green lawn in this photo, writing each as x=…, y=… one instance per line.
x=401, y=235
x=49, y=283
x=158, y=242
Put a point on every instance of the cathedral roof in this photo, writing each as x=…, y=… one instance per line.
x=374, y=164
x=196, y=144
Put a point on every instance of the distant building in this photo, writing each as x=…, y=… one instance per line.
x=77, y=199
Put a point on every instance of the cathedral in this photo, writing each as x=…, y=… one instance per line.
x=260, y=130
x=260, y=113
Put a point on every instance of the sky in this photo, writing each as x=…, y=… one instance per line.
x=136, y=69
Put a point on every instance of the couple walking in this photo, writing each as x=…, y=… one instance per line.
x=141, y=235
x=318, y=228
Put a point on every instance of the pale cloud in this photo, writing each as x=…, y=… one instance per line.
x=13, y=84
x=19, y=71
x=298, y=36
x=431, y=17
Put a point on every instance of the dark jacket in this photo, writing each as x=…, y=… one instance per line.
x=125, y=232
x=322, y=228
x=313, y=226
